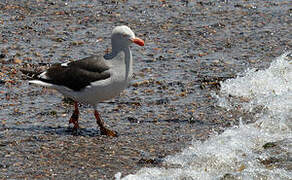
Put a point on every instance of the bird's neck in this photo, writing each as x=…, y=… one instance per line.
x=128, y=61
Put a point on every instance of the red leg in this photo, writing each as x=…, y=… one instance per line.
x=75, y=116
x=103, y=129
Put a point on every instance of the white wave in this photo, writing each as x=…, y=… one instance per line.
x=239, y=153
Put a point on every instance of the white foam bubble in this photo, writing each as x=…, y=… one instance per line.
x=238, y=152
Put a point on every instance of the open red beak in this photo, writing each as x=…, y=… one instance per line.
x=138, y=41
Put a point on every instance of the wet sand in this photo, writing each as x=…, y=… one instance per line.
x=190, y=47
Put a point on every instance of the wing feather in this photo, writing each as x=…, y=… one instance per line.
x=77, y=74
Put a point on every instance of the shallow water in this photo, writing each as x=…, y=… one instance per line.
x=243, y=151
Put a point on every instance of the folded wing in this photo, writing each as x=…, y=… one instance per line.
x=77, y=75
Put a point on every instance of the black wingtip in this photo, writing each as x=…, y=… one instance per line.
x=30, y=74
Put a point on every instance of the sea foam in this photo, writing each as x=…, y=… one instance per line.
x=242, y=152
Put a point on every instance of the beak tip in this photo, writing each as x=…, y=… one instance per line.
x=138, y=41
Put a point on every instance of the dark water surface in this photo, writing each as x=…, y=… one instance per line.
x=190, y=47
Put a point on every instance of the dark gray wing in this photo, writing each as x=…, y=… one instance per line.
x=77, y=75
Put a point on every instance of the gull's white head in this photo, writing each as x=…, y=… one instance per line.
x=124, y=31
x=123, y=36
